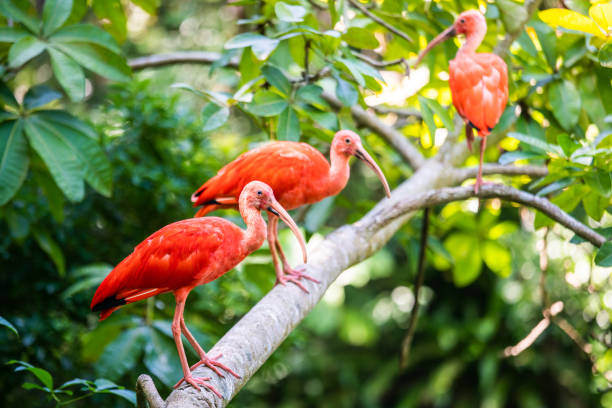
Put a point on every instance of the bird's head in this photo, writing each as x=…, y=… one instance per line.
x=348, y=143
x=468, y=23
x=260, y=196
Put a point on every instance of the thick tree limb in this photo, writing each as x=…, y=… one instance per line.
x=402, y=112
x=383, y=64
x=146, y=393
x=179, y=57
x=492, y=168
x=356, y=4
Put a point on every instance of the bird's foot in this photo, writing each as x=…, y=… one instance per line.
x=298, y=272
x=197, y=381
x=211, y=363
x=478, y=184
x=284, y=279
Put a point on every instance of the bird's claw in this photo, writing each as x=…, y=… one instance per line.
x=298, y=272
x=211, y=363
x=283, y=280
x=196, y=381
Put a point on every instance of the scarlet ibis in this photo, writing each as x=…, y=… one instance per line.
x=188, y=253
x=478, y=81
x=299, y=175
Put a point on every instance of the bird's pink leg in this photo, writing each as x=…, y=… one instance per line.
x=299, y=271
x=181, y=296
x=211, y=363
x=281, y=277
x=483, y=144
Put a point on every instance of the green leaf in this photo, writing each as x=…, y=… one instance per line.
x=511, y=157
x=48, y=244
x=88, y=33
x=599, y=181
x=276, y=78
x=604, y=255
x=214, y=116
x=353, y=69
x=19, y=225
x=548, y=41
x=570, y=198
x=113, y=18
x=427, y=115
x=55, y=14
x=565, y=102
x=8, y=325
x=312, y=94
x=125, y=394
x=288, y=125
x=567, y=144
x=536, y=143
x=53, y=194
x=605, y=55
x=465, y=251
x=43, y=375
x=267, y=103
x=121, y=355
x=360, y=38
x=333, y=12
x=99, y=60
x=248, y=40
x=7, y=97
x=69, y=74
x=161, y=358
x=64, y=165
x=84, y=142
x=14, y=159
x=595, y=205
x=288, y=13
x=11, y=34
x=87, y=277
x=39, y=95
x=10, y=10
x=150, y=6
x=497, y=258
x=346, y=92
x=442, y=113
x=24, y=50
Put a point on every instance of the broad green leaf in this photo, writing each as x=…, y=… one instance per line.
x=276, y=78
x=7, y=97
x=219, y=98
x=442, y=113
x=556, y=186
x=267, y=103
x=567, y=144
x=11, y=34
x=288, y=13
x=360, y=38
x=605, y=55
x=248, y=40
x=79, y=9
x=9, y=9
x=288, y=125
x=599, y=181
x=53, y=194
x=60, y=158
x=113, y=18
x=55, y=14
x=512, y=14
x=548, y=41
x=465, y=251
x=121, y=355
x=333, y=12
x=353, y=69
x=78, y=136
x=536, y=143
x=346, y=92
x=604, y=255
x=427, y=115
x=311, y=94
x=8, y=325
x=39, y=95
x=571, y=20
x=69, y=74
x=14, y=159
x=511, y=157
x=43, y=375
x=328, y=120
x=88, y=33
x=125, y=394
x=565, y=101
x=48, y=244
x=602, y=14
x=213, y=116
x=571, y=197
x=24, y=50
x=99, y=60
x=86, y=277
x=595, y=205
x=150, y=6
x=497, y=258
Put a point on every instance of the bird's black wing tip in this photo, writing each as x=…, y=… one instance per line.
x=108, y=303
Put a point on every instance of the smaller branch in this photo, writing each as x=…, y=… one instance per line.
x=306, y=74
x=414, y=314
x=448, y=194
x=147, y=394
x=465, y=173
x=533, y=335
x=573, y=334
x=383, y=64
x=356, y=4
x=179, y=57
x=402, y=112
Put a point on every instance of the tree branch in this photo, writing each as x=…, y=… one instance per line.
x=536, y=332
x=356, y=4
x=179, y=57
x=146, y=393
x=402, y=112
x=383, y=64
x=465, y=173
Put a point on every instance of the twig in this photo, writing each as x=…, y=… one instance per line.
x=383, y=64
x=533, y=335
x=179, y=57
x=414, y=314
x=508, y=170
x=573, y=334
x=402, y=112
x=448, y=194
x=146, y=393
x=356, y=4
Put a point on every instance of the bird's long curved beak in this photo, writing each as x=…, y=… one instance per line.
x=443, y=36
x=361, y=154
x=278, y=210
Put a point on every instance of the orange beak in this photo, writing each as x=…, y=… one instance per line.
x=443, y=36
x=361, y=154
x=278, y=210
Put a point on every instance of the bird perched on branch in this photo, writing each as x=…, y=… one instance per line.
x=299, y=175
x=188, y=253
x=478, y=81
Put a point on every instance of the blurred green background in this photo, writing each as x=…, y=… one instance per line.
x=484, y=288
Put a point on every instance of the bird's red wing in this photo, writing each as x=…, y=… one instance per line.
x=178, y=255
x=281, y=165
x=479, y=86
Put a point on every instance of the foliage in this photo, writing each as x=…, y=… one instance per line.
x=143, y=146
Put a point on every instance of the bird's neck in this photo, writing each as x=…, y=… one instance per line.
x=339, y=173
x=256, y=229
x=473, y=40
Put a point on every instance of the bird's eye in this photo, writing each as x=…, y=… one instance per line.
x=259, y=193
x=462, y=21
x=347, y=140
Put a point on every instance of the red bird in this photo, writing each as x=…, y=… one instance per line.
x=478, y=81
x=186, y=254
x=299, y=175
